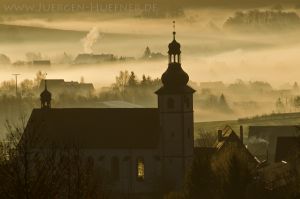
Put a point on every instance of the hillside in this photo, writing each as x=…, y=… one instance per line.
x=273, y=119
x=15, y=33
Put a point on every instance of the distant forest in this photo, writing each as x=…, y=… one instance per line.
x=274, y=19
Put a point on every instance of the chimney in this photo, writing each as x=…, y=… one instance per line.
x=220, y=136
x=242, y=134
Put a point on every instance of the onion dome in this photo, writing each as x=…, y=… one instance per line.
x=174, y=76
x=174, y=79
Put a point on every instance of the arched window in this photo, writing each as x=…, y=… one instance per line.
x=140, y=169
x=170, y=103
x=187, y=102
x=115, y=169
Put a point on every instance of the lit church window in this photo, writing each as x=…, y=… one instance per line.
x=140, y=169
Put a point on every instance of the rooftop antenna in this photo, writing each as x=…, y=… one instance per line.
x=16, y=76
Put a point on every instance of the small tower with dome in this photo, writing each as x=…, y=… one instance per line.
x=45, y=98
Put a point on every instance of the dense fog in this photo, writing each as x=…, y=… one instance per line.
x=228, y=45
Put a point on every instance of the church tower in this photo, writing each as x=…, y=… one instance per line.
x=45, y=98
x=175, y=104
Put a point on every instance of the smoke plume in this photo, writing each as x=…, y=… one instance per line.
x=91, y=39
x=254, y=140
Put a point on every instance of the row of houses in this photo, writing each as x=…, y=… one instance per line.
x=84, y=58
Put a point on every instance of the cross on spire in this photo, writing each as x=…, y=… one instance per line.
x=174, y=29
x=174, y=25
x=46, y=81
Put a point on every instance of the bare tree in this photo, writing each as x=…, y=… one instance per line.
x=122, y=80
x=39, y=77
x=205, y=139
x=81, y=178
x=32, y=168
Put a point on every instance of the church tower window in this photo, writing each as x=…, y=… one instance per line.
x=140, y=169
x=170, y=103
x=187, y=102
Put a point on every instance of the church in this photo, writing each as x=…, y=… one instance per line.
x=140, y=147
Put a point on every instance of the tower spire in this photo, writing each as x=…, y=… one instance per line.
x=45, y=84
x=45, y=97
x=174, y=29
x=45, y=81
x=174, y=48
x=174, y=79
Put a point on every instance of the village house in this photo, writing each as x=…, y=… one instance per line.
x=267, y=137
x=44, y=63
x=87, y=58
x=60, y=86
x=228, y=143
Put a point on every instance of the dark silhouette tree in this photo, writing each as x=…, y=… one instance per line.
x=121, y=81
x=200, y=181
x=132, y=81
x=296, y=87
x=238, y=179
x=147, y=53
x=279, y=105
x=42, y=173
x=223, y=105
x=233, y=172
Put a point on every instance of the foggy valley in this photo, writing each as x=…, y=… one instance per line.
x=212, y=52
x=211, y=114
